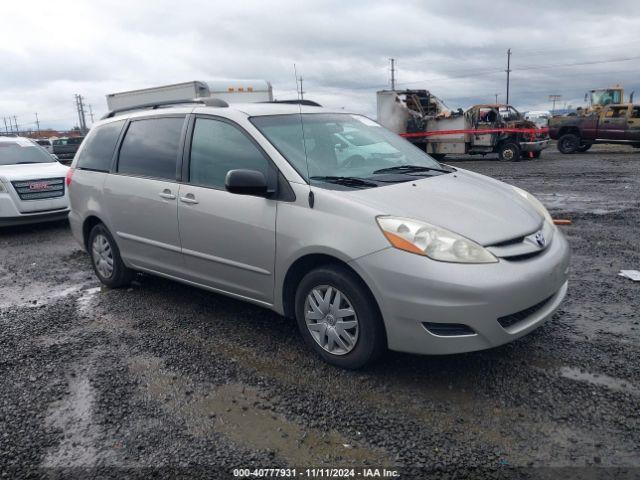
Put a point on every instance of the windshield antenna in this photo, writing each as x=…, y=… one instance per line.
x=304, y=142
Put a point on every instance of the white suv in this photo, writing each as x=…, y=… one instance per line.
x=32, y=183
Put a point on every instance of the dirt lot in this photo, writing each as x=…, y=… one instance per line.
x=163, y=378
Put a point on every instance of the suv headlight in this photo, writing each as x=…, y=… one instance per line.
x=535, y=203
x=434, y=242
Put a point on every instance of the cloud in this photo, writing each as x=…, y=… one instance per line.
x=53, y=50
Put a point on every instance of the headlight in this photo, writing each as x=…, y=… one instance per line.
x=431, y=241
x=535, y=203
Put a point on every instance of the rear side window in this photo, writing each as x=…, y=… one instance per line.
x=99, y=147
x=216, y=148
x=150, y=148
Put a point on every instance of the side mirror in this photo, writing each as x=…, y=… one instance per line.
x=246, y=182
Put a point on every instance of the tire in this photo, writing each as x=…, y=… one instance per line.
x=102, y=247
x=365, y=327
x=437, y=156
x=584, y=147
x=568, y=143
x=509, y=152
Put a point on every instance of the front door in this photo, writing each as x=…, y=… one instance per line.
x=228, y=240
x=614, y=124
x=142, y=195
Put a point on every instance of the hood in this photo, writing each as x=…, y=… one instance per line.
x=29, y=171
x=477, y=207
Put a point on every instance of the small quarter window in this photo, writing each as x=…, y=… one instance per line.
x=99, y=147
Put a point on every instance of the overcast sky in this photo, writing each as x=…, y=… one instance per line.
x=50, y=50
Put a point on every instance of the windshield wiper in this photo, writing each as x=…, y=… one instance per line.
x=347, y=181
x=410, y=169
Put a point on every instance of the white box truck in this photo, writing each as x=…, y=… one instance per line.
x=231, y=91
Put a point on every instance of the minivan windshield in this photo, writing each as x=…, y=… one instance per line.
x=350, y=150
x=22, y=151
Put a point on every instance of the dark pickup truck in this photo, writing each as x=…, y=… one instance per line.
x=613, y=124
x=65, y=148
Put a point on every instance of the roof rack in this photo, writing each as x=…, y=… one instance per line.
x=306, y=103
x=208, y=101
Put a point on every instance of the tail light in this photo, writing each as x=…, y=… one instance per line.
x=68, y=177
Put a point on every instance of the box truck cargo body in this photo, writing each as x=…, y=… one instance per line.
x=231, y=91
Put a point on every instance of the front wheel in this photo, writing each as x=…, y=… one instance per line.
x=509, y=152
x=568, y=143
x=584, y=147
x=106, y=260
x=338, y=318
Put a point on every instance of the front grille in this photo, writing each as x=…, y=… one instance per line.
x=39, y=189
x=448, y=329
x=510, y=320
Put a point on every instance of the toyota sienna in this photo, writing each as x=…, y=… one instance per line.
x=381, y=248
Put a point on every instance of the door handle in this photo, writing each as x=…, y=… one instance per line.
x=166, y=193
x=189, y=198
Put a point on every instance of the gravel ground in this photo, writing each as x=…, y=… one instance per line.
x=169, y=380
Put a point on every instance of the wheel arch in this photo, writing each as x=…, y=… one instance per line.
x=304, y=264
x=569, y=129
x=87, y=225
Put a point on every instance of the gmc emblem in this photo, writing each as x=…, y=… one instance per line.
x=38, y=185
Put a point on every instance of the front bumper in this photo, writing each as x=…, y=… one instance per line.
x=412, y=290
x=536, y=146
x=38, y=217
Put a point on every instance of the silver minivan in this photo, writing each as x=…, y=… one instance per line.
x=383, y=248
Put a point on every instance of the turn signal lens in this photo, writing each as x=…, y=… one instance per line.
x=68, y=177
x=434, y=242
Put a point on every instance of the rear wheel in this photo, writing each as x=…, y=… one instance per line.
x=338, y=318
x=509, y=152
x=568, y=143
x=106, y=259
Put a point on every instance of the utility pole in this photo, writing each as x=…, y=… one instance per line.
x=37, y=123
x=508, y=72
x=81, y=118
x=496, y=98
x=301, y=91
x=91, y=114
x=554, y=99
x=5, y=125
x=15, y=121
x=393, y=73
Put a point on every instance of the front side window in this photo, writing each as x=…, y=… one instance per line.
x=350, y=149
x=216, y=148
x=22, y=151
x=150, y=147
x=98, y=150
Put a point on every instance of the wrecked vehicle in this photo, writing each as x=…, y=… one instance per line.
x=617, y=124
x=492, y=128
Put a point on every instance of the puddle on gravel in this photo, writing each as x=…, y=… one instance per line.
x=577, y=202
x=34, y=296
x=239, y=413
x=84, y=301
x=611, y=383
x=80, y=436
